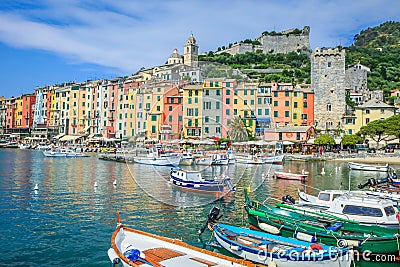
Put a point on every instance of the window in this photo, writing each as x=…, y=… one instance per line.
x=217, y=105
x=217, y=119
x=206, y=119
x=153, y=118
x=196, y=99
x=228, y=112
x=235, y=111
x=328, y=107
x=305, y=95
x=297, y=136
x=276, y=94
x=206, y=130
x=295, y=116
x=275, y=103
x=235, y=92
x=153, y=129
x=287, y=115
x=235, y=101
x=362, y=211
x=280, y=136
x=170, y=118
x=259, y=112
x=218, y=92
x=207, y=105
x=266, y=111
x=228, y=101
x=158, y=98
x=295, y=104
x=366, y=120
x=170, y=108
x=158, y=108
x=245, y=92
x=367, y=111
x=218, y=129
x=286, y=93
x=251, y=92
x=286, y=103
x=180, y=118
x=276, y=114
x=228, y=92
x=304, y=104
x=189, y=101
x=329, y=64
x=259, y=100
x=245, y=102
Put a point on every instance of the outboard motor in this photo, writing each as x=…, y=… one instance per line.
x=288, y=199
x=370, y=182
x=212, y=218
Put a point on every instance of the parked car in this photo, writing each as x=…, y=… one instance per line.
x=365, y=147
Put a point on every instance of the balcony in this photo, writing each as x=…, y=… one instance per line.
x=166, y=129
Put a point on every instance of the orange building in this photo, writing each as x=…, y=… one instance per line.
x=172, y=115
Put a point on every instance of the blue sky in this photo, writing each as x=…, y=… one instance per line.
x=45, y=42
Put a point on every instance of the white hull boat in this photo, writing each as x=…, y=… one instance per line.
x=368, y=167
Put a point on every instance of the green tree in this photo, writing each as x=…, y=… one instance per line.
x=324, y=139
x=237, y=131
x=350, y=140
x=376, y=130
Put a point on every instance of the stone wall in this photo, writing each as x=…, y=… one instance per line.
x=328, y=82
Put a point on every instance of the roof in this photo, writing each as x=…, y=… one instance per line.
x=288, y=129
x=375, y=103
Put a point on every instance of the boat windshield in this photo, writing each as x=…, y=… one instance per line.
x=362, y=211
x=390, y=210
x=324, y=196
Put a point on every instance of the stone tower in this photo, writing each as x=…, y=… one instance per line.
x=191, y=52
x=328, y=82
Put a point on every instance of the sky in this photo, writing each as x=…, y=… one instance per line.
x=46, y=42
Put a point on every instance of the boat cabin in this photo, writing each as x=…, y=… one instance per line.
x=194, y=176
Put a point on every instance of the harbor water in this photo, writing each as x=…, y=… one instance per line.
x=68, y=221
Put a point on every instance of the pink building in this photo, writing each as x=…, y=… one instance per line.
x=172, y=116
x=228, y=86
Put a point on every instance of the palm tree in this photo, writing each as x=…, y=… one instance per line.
x=237, y=131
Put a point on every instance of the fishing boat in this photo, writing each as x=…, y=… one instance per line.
x=368, y=167
x=186, y=159
x=153, y=158
x=203, y=160
x=219, y=159
x=132, y=247
x=249, y=159
x=290, y=176
x=357, y=207
x=282, y=251
x=274, y=159
x=193, y=181
x=327, y=229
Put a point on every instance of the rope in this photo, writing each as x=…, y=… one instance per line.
x=369, y=236
x=398, y=244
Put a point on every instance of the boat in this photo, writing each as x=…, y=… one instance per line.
x=231, y=157
x=219, y=159
x=186, y=159
x=358, y=207
x=132, y=247
x=249, y=159
x=272, y=249
x=153, y=158
x=24, y=146
x=368, y=167
x=12, y=144
x=62, y=153
x=290, y=176
x=203, y=160
x=193, y=181
x=278, y=159
x=326, y=229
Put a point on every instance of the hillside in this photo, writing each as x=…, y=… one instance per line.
x=377, y=47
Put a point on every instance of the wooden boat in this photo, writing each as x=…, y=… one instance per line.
x=204, y=160
x=326, y=229
x=132, y=247
x=153, y=158
x=360, y=208
x=274, y=159
x=290, y=176
x=249, y=159
x=368, y=167
x=192, y=180
x=283, y=251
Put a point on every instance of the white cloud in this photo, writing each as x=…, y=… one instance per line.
x=131, y=34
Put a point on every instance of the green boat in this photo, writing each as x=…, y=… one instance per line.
x=329, y=230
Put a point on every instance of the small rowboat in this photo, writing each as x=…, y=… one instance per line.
x=290, y=176
x=132, y=247
x=368, y=167
x=284, y=252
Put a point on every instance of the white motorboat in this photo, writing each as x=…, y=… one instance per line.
x=155, y=159
x=186, y=159
x=63, y=152
x=203, y=160
x=278, y=159
x=249, y=159
x=360, y=208
x=24, y=146
x=219, y=159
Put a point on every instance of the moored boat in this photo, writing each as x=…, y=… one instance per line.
x=219, y=159
x=193, y=180
x=282, y=251
x=368, y=167
x=326, y=229
x=249, y=159
x=203, y=160
x=278, y=159
x=186, y=159
x=154, y=159
x=133, y=247
x=290, y=176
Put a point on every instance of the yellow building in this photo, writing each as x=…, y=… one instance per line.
x=131, y=120
x=369, y=111
x=244, y=104
x=18, y=112
x=297, y=106
x=155, y=113
x=192, y=111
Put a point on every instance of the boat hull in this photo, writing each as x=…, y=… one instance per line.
x=259, y=247
x=367, y=167
x=162, y=161
x=290, y=176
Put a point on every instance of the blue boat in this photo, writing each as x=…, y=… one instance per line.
x=279, y=251
x=193, y=181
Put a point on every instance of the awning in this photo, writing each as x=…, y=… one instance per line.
x=59, y=136
x=264, y=120
x=69, y=138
